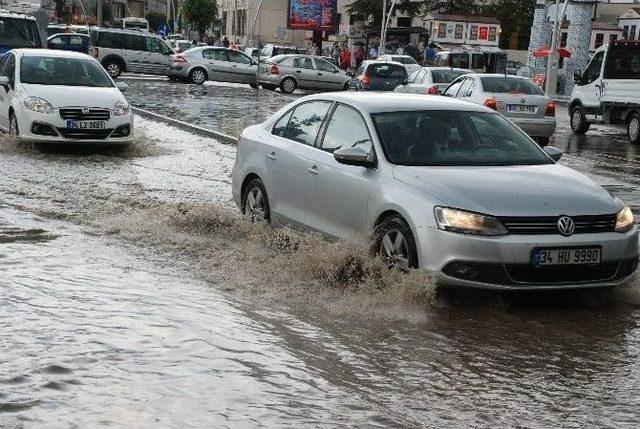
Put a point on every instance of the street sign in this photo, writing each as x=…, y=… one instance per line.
x=163, y=30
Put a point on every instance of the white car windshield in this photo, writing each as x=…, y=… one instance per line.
x=63, y=71
x=451, y=138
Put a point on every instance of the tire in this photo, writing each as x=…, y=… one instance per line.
x=198, y=76
x=579, y=124
x=253, y=85
x=633, y=128
x=13, y=125
x=255, y=202
x=346, y=87
x=114, y=68
x=542, y=141
x=395, y=245
x=288, y=85
x=269, y=87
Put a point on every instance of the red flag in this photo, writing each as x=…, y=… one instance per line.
x=483, y=33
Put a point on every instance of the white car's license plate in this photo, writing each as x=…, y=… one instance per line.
x=89, y=125
x=516, y=108
x=566, y=256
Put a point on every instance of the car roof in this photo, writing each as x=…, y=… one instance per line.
x=467, y=71
x=68, y=34
x=369, y=62
x=55, y=53
x=506, y=76
x=375, y=102
x=123, y=31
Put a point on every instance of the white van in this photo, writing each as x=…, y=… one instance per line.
x=134, y=23
x=461, y=59
x=609, y=90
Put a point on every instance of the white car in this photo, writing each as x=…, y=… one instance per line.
x=61, y=96
x=440, y=185
x=409, y=63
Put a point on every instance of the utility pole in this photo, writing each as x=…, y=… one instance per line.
x=553, y=61
x=384, y=13
x=99, y=13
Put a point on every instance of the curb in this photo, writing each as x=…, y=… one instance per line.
x=223, y=138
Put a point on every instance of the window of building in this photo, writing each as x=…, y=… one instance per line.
x=563, y=40
x=473, y=33
x=458, y=33
x=492, y=34
x=404, y=21
x=625, y=32
x=599, y=40
x=442, y=30
x=354, y=18
x=632, y=33
x=223, y=25
x=613, y=38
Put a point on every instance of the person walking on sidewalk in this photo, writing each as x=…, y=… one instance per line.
x=345, y=58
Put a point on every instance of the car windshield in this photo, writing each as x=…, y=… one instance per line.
x=63, y=71
x=404, y=60
x=387, y=71
x=452, y=138
x=446, y=76
x=509, y=85
x=19, y=33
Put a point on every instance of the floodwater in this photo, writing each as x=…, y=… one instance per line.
x=131, y=295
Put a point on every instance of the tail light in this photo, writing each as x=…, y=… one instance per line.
x=365, y=79
x=275, y=69
x=95, y=52
x=179, y=58
x=491, y=103
x=551, y=109
x=433, y=90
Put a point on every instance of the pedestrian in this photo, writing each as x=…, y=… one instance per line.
x=359, y=56
x=335, y=52
x=429, y=54
x=234, y=46
x=373, y=52
x=225, y=42
x=400, y=50
x=345, y=58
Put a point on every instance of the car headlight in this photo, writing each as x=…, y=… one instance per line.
x=38, y=104
x=121, y=108
x=624, y=220
x=465, y=222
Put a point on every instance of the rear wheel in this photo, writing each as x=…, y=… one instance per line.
x=579, y=124
x=255, y=202
x=288, y=85
x=395, y=245
x=198, y=76
x=633, y=128
x=346, y=87
x=113, y=68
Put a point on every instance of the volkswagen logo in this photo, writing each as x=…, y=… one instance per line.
x=523, y=100
x=85, y=110
x=566, y=226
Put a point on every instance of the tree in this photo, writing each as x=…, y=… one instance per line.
x=515, y=17
x=200, y=13
x=371, y=10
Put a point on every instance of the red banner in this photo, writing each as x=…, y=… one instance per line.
x=483, y=33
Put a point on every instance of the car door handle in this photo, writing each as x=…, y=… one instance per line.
x=319, y=74
x=314, y=170
x=298, y=71
x=272, y=155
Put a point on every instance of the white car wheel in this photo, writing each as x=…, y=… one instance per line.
x=13, y=125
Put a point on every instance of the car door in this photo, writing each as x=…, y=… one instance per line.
x=591, y=86
x=329, y=76
x=289, y=161
x=156, y=57
x=134, y=51
x=305, y=72
x=242, y=68
x=338, y=194
x=218, y=65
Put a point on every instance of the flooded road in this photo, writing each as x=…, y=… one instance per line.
x=132, y=296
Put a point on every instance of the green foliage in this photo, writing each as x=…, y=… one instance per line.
x=516, y=17
x=200, y=13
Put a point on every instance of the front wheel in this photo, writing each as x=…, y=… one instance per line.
x=198, y=76
x=255, y=202
x=579, y=124
x=288, y=85
x=395, y=245
x=113, y=68
x=633, y=128
x=13, y=125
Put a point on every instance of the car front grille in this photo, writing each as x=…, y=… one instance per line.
x=562, y=273
x=549, y=224
x=80, y=114
x=84, y=134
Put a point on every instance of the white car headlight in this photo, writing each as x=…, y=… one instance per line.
x=624, y=220
x=121, y=108
x=465, y=222
x=38, y=104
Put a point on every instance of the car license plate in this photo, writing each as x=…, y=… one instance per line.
x=88, y=125
x=566, y=256
x=516, y=108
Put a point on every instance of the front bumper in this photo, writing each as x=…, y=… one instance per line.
x=52, y=128
x=504, y=262
x=542, y=127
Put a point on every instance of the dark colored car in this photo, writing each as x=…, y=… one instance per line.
x=378, y=76
x=69, y=42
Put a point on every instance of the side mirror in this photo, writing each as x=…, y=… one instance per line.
x=4, y=81
x=349, y=73
x=553, y=152
x=122, y=86
x=577, y=76
x=353, y=156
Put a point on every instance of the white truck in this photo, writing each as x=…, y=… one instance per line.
x=609, y=90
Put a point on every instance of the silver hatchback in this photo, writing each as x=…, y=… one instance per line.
x=444, y=186
x=200, y=64
x=289, y=72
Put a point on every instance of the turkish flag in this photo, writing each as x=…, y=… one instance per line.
x=483, y=33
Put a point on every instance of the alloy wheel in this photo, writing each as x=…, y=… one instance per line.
x=634, y=129
x=394, y=250
x=198, y=77
x=289, y=86
x=113, y=69
x=255, y=205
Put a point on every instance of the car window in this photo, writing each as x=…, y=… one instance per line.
x=386, y=70
x=238, y=57
x=215, y=54
x=466, y=88
x=477, y=61
x=63, y=71
x=412, y=77
x=460, y=61
x=303, y=63
x=75, y=40
x=623, y=62
x=280, y=128
x=10, y=70
x=453, y=89
x=133, y=42
x=446, y=76
x=323, y=65
x=346, y=128
x=422, y=78
x=56, y=41
x=306, y=120
x=286, y=62
x=153, y=45
x=509, y=85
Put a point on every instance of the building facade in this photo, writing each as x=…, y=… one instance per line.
x=629, y=22
x=457, y=30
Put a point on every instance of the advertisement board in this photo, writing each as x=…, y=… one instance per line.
x=312, y=14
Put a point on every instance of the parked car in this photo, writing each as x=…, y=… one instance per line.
x=130, y=51
x=198, y=65
x=462, y=59
x=378, y=76
x=135, y=24
x=69, y=42
x=517, y=98
x=61, y=96
x=64, y=28
x=449, y=187
x=252, y=52
x=289, y=72
x=513, y=67
x=609, y=90
x=182, y=45
x=409, y=63
x=270, y=50
x=431, y=80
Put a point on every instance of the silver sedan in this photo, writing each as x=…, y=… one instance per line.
x=289, y=72
x=444, y=186
x=431, y=80
x=200, y=64
x=517, y=98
